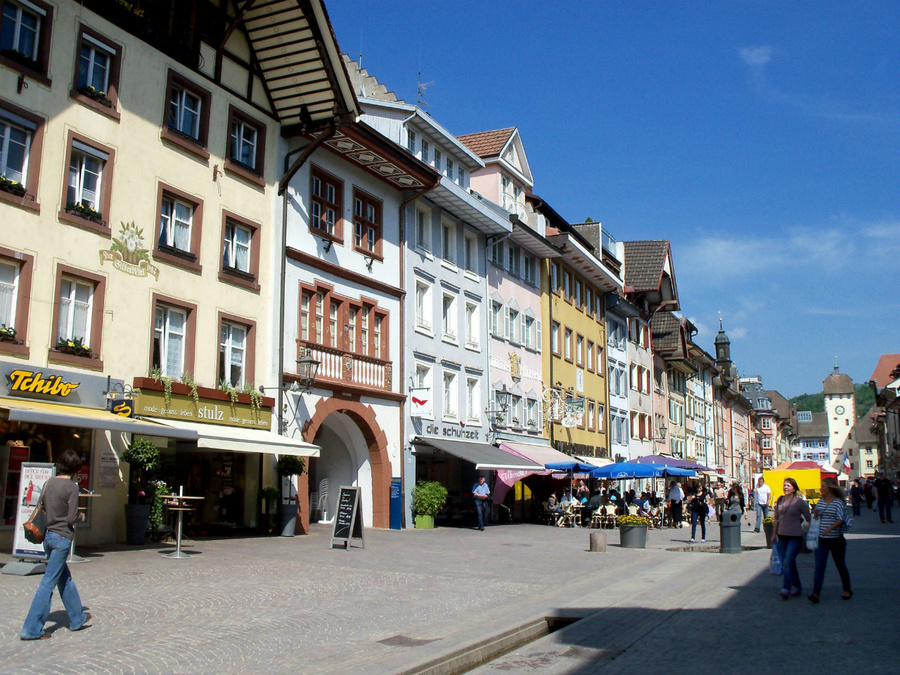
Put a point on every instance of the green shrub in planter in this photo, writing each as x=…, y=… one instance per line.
x=143, y=458
x=289, y=465
x=428, y=498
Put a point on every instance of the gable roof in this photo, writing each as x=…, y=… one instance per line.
x=886, y=365
x=666, y=329
x=818, y=428
x=488, y=143
x=644, y=264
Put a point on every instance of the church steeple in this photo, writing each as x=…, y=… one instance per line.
x=723, y=349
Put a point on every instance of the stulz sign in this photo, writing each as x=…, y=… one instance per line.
x=153, y=404
x=35, y=382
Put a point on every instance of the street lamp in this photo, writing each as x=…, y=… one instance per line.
x=501, y=398
x=307, y=366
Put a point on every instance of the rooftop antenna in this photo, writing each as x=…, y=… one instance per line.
x=420, y=97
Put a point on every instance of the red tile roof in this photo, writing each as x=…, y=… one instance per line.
x=487, y=143
x=886, y=364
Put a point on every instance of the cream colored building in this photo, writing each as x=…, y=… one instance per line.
x=146, y=235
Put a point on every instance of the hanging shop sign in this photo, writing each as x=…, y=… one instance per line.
x=183, y=407
x=50, y=384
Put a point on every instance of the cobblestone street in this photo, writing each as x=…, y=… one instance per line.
x=255, y=605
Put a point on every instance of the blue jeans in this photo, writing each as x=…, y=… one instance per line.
x=481, y=510
x=884, y=508
x=788, y=548
x=57, y=549
x=694, y=518
x=762, y=511
x=837, y=546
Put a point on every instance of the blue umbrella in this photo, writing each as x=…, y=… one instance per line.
x=577, y=467
x=625, y=470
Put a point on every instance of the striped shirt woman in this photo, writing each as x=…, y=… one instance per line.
x=831, y=514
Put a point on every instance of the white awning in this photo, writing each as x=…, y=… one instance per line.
x=482, y=455
x=238, y=439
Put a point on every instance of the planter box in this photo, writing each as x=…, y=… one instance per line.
x=424, y=522
x=137, y=517
x=633, y=536
x=179, y=388
x=769, y=529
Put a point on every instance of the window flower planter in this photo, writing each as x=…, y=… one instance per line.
x=7, y=333
x=74, y=347
x=208, y=393
x=99, y=96
x=86, y=212
x=12, y=186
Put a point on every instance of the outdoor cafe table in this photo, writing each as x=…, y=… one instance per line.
x=180, y=507
x=72, y=557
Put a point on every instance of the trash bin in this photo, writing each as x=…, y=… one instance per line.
x=730, y=532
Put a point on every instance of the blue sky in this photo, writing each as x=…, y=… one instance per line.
x=760, y=137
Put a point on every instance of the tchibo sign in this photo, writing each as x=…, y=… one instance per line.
x=29, y=381
x=49, y=384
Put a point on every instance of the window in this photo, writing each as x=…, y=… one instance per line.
x=411, y=141
x=590, y=356
x=448, y=171
x=516, y=411
x=9, y=292
x=514, y=253
x=471, y=254
x=472, y=325
x=448, y=242
x=246, y=146
x=554, y=277
x=14, y=143
x=437, y=160
x=513, y=332
x=423, y=230
x=591, y=415
x=450, y=394
x=240, y=251
x=532, y=414
x=325, y=204
x=554, y=338
x=97, y=72
x=578, y=293
x=529, y=269
x=448, y=317
x=180, y=218
x=175, y=219
x=21, y=140
x=232, y=354
x=530, y=337
x=767, y=443
x=588, y=299
x=87, y=197
x=78, y=317
x=425, y=151
x=496, y=318
x=473, y=399
x=497, y=251
x=461, y=177
x=76, y=300
x=187, y=115
x=25, y=37
x=567, y=285
x=579, y=350
x=766, y=423
x=423, y=305
x=366, y=224
x=568, y=345
x=868, y=463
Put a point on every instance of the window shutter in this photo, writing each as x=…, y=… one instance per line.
x=507, y=331
x=539, y=336
x=522, y=327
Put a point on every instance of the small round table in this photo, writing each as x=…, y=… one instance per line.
x=72, y=557
x=180, y=507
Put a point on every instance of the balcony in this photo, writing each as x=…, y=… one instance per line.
x=337, y=366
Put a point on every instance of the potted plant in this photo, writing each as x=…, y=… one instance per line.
x=143, y=458
x=428, y=498
x=84, y=211
x=287, y=467
x=769, y=529
x=268, y=496
x=12, y=186
x=75, y=347
x=7, y=333
x=155, y=490
x=633, y=531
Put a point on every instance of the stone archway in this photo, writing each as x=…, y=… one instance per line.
x=376, y=441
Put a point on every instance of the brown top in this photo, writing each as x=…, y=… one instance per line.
x=790, y=512
x=61, y=505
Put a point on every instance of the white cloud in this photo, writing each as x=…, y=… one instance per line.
x=737, y=333
x=756, y=57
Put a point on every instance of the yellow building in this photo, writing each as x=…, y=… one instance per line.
x=139, y=239
x=574, y=288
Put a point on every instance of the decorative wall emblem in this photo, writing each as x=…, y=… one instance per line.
x=127, y=253
x=515, y=366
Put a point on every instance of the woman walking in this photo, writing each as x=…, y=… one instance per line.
x=790, y=513
x=831, y=512
x=61, y=507
x=699, y=512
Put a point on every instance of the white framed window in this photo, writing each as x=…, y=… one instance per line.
x=411, y=141
x=513, y=256
x=461, y=176
x=9, y=293
x=423, y=305
x=516, y=411
x=94, y=64
x=448, y=242
x=232, y=354
x=422, y=393
x=532, y=413
x=237, y=247
x=578, y=292
x=497, y=251
x=169, y=339
x=529, y=270
x=184, y=112
x=426, y=151
x=473, y=399
x=567, y=346
x=473, y=325
x=766, y=423
x=567, y=284
x=423, y=230
x=15, y=144
x=243, y=143
x=76, y=301
x=554, y=277
x=438, y=160
x=590, y=355
x=85, y=176
x=448, y=317
x=175, y=221
x=554, y=337
x=767, y=443
x=579, y=350
x=450, y=394
x=513, y=334
x=529, y=333
x=21, y=29
x=471, y=253
x=448, y=169
x=496, y=319
x=591, y=415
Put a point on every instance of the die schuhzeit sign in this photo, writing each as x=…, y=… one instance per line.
x=28, y=381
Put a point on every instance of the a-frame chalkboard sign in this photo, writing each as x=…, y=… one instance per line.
x=348, y=522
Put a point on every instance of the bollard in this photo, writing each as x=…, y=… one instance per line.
x=598, y=542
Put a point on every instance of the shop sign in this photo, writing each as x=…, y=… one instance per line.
x=453, y=431
x=123, y=407
x=153, y=404
x=50, y=384
x=127, y=253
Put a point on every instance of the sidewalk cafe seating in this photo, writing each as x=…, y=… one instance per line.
x=570, y=517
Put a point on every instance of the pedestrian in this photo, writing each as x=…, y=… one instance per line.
x=482, y=494
x=883, y=489
x=61, y=508
x=699, y=511
x=582, y=492
x=831, y=513
x=719, y=494
x=869, y=493
x=790, y=512
x=763, y=496
x=736, y=498
x=856, y=497
x=676, y=498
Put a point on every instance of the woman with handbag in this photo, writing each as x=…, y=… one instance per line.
x=790, y=513
x=831, y=514
x=60, y=503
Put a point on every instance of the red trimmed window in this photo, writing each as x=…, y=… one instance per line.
x=366, y=224
x=325, y=205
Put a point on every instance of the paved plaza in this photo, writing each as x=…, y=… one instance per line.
x=413, y=599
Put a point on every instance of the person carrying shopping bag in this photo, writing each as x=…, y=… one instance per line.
x=791, y=511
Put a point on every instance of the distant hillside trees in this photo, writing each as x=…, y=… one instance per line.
x=865, y=399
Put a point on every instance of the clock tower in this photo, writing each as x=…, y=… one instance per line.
x=840, y=407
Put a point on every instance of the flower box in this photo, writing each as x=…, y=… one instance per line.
x=633, y=536
x=99, y=96
x=12, y=186
x=74, y=347
x=209, y=393
x=86, y=212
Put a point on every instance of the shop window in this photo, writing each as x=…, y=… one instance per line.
x=21, y=140
x=78, y=317
x=366, y=224
x=240, y=252
x=187, y=115
x=97, y=68
x=325, y=205
x=179, y=226
x=25, y=28
x=246, y=147
x=87, y=197
x=15, y=291
x=174, y=330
